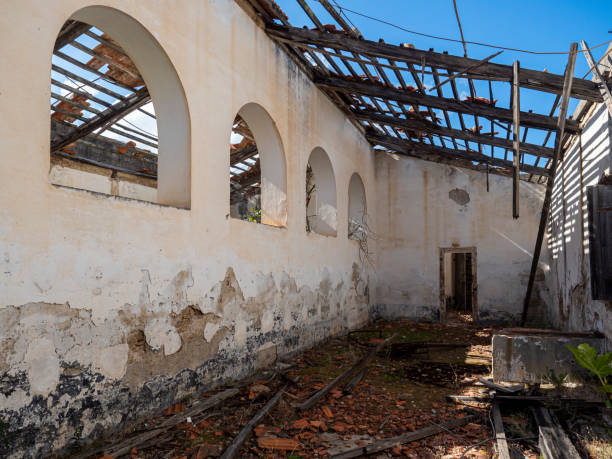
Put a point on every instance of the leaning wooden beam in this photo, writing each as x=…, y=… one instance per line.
x=388, y=443
x=358, y=366
x=108, y=116
x=553, y=441
x=401, y=145
x=603, y=87
x=350, y=386
x=533, y=79
x=420, y=125
x=500, y=436
x=569, y=71
x=234, y=448
x=487, y=111
x=198, y=407
x=516, y=130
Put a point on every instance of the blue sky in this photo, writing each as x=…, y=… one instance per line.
x=533, y=25
x=540, y=26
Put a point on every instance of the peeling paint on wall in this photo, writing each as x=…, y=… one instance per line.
x=60, y=361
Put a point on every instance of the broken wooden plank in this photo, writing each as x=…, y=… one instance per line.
x=356, y=367
x=516, y=131
x=234, y=448
x=125, y=446
x=603, y=87
x=500, y=436
x=553, y=441
x=406, y=438
x=569, y=72
x=508, y=390
x=350, y=386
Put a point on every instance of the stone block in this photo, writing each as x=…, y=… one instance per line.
x=528, y=355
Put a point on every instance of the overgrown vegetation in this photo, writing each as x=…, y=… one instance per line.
x=599, y=366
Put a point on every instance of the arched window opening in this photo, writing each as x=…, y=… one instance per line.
x=258, y=190
x=245, y=173
x=357, y=209
x=119, y=119
x=321, y=211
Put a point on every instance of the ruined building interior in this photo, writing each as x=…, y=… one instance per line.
x=366, y=189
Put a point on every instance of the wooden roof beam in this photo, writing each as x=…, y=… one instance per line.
x=405, y=146
x=532, y=120
x=532, y=79
x=419, y=125
x=105, y=118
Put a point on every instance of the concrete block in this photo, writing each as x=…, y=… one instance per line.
x=528, y=355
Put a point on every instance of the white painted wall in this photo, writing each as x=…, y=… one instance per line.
x=416, y=217
x=83, y=274
x=588, y=158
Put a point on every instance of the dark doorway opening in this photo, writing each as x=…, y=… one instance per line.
x=458, y=284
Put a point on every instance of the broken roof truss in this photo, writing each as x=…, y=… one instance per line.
x=383, y=89
x=94, y=86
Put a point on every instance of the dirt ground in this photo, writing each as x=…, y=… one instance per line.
x=404, y=389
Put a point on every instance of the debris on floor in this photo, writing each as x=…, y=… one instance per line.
x=393, y=389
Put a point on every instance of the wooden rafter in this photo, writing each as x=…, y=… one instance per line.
x=470, y=108
x=404, y=146
x=532, y=79
x=601, y=83
x=423, y=125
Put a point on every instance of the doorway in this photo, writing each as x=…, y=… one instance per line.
x=458, y=285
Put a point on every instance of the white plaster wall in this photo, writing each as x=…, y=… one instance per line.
x=95, y=268
x=416, y=217
x=588, y=158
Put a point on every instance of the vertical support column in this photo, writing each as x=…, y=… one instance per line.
x=516, y=129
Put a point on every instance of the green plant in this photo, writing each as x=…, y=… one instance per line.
x=557, y=380
x=599, y=365
x=253, y=215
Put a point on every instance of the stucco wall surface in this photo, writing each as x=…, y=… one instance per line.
x=111, y=307
x=589, y=157
x=423, y=207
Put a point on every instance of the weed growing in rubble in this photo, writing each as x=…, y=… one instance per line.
x=599, y=365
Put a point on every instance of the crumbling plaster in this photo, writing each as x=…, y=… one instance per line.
x=109, y=303
x=424, y=207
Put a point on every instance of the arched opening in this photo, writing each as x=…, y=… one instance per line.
x=258, y=186
x=357, y=209
x=119, y=117
x=321, y=210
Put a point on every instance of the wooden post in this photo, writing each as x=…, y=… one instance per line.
x=567, y=88
x=516, y=130
x=603, y=87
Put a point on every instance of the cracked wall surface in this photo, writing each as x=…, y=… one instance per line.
x=424, y=207
x=112, y=308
